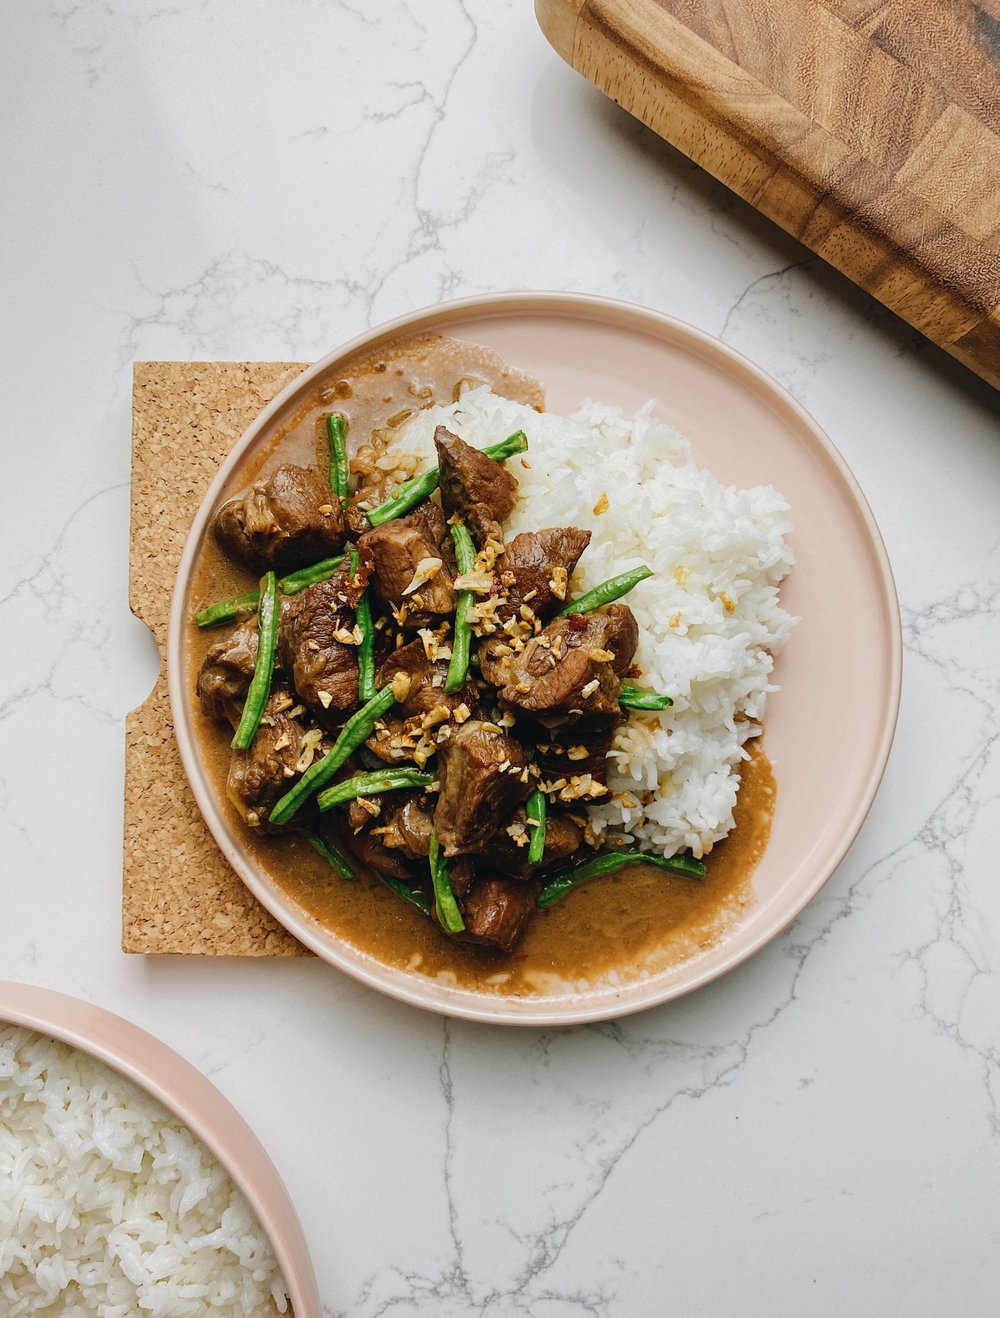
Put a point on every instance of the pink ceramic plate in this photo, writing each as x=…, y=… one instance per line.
x=185, y=1091
x=828, y=757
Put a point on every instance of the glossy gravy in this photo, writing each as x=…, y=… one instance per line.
x=634, y=923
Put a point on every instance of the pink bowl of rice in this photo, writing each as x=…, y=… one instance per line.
x=128, y=1184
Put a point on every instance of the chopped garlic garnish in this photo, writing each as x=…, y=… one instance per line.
x=348, y=635
x=426, y=570
x=601, y=506
x=479, y=582
x=308, y=747
x=401, y=683
x=325, y=699
x=590, y=688
x=430, y=642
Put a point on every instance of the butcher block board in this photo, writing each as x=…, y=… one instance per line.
x=868, y=129
x=178, y=893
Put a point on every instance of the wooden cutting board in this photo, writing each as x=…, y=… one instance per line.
x=868, y=129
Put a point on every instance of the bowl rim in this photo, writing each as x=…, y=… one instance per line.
x=183, y=1090
x=463, y=1003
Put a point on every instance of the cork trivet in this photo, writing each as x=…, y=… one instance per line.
x=178, y=893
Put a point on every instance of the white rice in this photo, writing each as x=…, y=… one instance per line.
x=709, y=619
x=110, y=1205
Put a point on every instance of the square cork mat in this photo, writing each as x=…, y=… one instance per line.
x=178, y=893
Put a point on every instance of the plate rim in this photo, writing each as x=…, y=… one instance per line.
x=463, y=1003
x=160, y=1071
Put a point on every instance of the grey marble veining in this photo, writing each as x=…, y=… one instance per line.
x=817, y=1133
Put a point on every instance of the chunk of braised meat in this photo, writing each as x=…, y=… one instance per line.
x=532, y=573
x=395, y=738
x=370, y=850
x=363, y=811
x=576, y=664
x=318, y=642
x=289, y=520
x=483, y=776
x=576, y=747
x=262, y=774
x=496, y=910
x=390, y=829
x=426, y=679
x=399, y=548
x=225, y=673
x=405, y=824
x=535, y=569
x=474, y=487
x=563, y=836
x=372, y=494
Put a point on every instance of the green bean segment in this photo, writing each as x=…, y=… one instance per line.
x=415, y=896
x=607, y=592
x=407, y=496
x=366, y=650
x=353, y=733
x=608, y=862
x=415, y=491
x=461, y=641
x=336, y=431
x=310, y=576
x=263, y=669
x=334, y=858
x=449, y=916
x=371, y=784
x=508, y=448
x=632, y=698
x=230, y=610
x=536, y=808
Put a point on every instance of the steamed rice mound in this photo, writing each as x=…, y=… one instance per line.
x=710, y=623
x=109, y=1205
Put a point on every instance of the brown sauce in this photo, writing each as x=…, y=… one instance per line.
x=630, y=925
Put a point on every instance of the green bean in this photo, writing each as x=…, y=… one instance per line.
x=612, y=589
x=260, y=683
x=508, y=448
x=366, y=650
x=419, y=488
x=310, y=576
x=449, y=916
x=229, y=610
x=407, y=496
x=632, y=698
x=536, y=808
x=607, y=862
x=415, y=896
x=461, y=641
x=352, y=734
x=370, y=784
x=332, y=856
x=336, y=429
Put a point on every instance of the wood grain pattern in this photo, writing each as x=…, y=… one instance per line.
x=178, y=893
x=868, y=129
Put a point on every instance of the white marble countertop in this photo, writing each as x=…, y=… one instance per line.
x=816, y=1133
